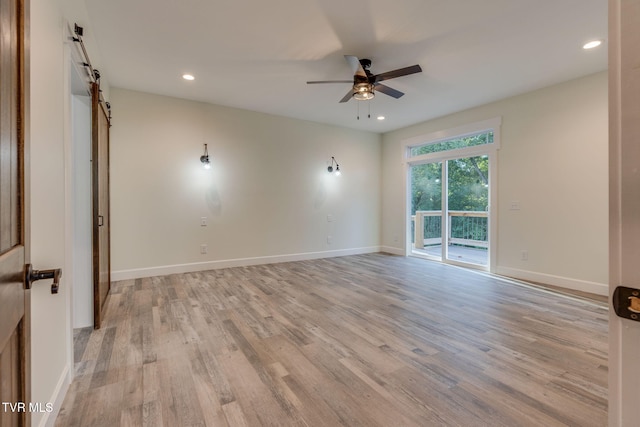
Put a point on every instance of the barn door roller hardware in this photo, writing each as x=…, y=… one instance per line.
x=94, y=75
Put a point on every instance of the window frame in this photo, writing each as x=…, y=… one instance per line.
x=471, y=129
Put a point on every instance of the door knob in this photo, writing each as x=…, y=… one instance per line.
x=31, y=275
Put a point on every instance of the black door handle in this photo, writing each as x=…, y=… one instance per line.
x=626, y=302
x=31, y=275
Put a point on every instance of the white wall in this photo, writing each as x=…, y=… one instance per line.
x=49, y=313
x=266, y=197
x=50, y=187
x=553, y=161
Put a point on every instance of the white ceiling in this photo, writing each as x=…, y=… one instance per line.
x=258, y=55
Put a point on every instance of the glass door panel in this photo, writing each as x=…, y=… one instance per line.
x=467, y=219
x=426, y=209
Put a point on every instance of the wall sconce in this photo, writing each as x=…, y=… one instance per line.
x=205, y=158
x=330, y=168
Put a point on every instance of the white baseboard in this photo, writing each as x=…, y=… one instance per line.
x=549, y=279
x=238, y=262
x=563, y=282
x=391, y=250
x=49, y=418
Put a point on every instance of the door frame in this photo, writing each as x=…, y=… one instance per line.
x=490, y=150
x=73, y=64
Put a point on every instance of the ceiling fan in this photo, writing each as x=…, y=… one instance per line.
x=364, y=82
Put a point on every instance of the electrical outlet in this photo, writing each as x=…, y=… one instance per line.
x=524, y=255
x=203, y=221
x=329, y=240
x=515, y=206
x=203, y=249
x=330, y=218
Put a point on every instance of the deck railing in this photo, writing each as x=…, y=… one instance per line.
x=466, y=228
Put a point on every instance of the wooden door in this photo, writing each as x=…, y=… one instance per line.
x=100, y=195
x=14, y=298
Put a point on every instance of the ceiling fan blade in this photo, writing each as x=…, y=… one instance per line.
x=329, y=81
x=398, y=73
x=348, y=96
x=388, y=91
x=356, y=67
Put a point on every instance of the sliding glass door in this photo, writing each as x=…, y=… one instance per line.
x=450, y=174
x=449, y=209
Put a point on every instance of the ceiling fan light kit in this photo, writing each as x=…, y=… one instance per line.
x=363, y=91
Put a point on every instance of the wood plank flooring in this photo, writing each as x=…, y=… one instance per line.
x=367, y=340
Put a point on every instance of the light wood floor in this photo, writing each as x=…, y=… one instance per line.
x=369, y=340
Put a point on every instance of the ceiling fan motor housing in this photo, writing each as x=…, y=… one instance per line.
x=366, y=64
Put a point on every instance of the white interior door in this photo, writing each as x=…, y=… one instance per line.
x=624, y=206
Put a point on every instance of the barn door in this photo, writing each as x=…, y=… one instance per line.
x=14, y=297
x=100, y=190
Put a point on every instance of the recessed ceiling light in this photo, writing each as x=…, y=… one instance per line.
x=592, y=44
x=188, y=77
x=381, y=117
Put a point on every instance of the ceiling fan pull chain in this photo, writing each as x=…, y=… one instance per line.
x=358, y=106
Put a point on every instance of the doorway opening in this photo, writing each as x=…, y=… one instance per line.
x=79, y=182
